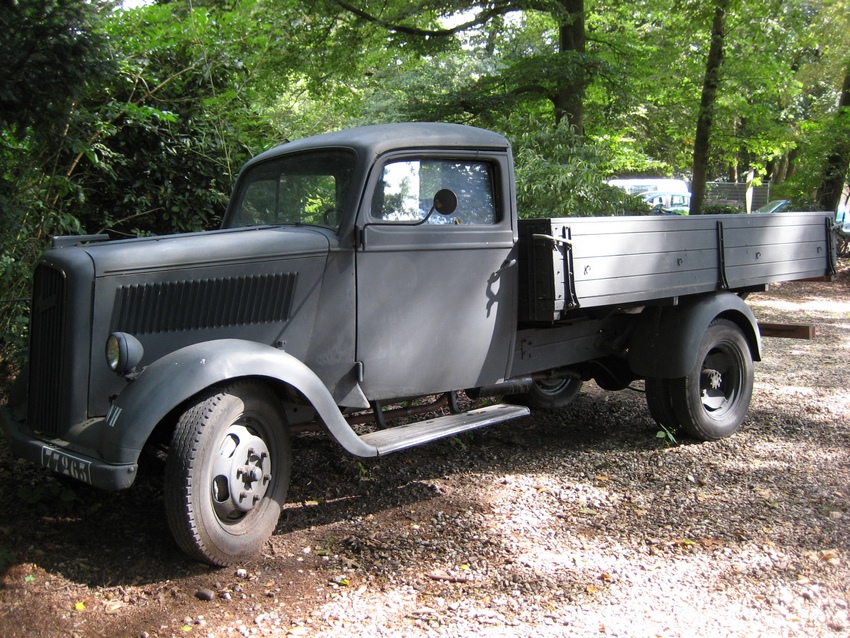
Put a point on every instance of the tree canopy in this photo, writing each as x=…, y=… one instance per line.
x=136, y=120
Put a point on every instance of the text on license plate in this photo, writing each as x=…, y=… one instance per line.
x=63, y=463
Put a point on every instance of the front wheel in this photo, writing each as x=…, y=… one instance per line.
x=712, y=400
x=227, y=473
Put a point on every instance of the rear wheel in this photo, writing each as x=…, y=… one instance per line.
x=227, y=473
x=712, y=400
x=550, y=394
x=659, y=399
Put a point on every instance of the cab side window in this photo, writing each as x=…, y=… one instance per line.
x=405, y=193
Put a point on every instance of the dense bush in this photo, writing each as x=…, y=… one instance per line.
x=559, y=174
x=721, y=209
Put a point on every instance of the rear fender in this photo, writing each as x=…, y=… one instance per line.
x=182, y=374
x=666, y=341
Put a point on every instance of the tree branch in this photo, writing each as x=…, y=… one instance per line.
x=480, y=19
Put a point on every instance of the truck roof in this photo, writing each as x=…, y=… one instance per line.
x=374, y=140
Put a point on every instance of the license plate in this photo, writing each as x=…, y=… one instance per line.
x=63, y=463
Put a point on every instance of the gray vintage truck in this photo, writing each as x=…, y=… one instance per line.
x=366, y=268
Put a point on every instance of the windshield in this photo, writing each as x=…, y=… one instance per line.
x=306, y=188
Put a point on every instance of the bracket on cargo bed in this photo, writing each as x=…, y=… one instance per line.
x=721, y=258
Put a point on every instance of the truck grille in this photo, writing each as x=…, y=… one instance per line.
x=48, y=385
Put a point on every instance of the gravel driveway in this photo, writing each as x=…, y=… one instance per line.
x=577, y=523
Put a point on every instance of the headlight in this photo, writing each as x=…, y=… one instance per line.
x=123, y=352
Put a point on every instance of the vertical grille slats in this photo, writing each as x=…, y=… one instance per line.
x=48, y=385
x=205, y=303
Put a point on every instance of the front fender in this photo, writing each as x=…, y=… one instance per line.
x=666, y=340
x=176, y=377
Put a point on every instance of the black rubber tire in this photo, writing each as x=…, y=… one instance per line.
x=711, y=402
x=227, y=473
x=550, y=395
x=659, y=400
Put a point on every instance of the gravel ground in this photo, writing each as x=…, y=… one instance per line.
x=580, y=522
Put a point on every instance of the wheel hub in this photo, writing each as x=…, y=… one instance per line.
x=715, y=379
x=713, y=395
x=241, y=473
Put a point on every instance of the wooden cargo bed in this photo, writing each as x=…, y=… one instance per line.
x=587, y=262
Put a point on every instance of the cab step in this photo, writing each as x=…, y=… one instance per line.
x=406, y=436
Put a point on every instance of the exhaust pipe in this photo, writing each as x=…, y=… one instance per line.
x=519, y=386
x=514, y=386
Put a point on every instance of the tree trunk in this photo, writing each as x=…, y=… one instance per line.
x=706, y=107
x=569, y=98
x=830, y=190
x=792, y=163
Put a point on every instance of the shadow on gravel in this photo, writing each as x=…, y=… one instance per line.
x=604, y=443
x=103, y=539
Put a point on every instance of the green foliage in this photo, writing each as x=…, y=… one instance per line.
x=721, y=209
x=48, y=494
x=136, y=122
x=559, y=174
x=51, y=51
x=666, y=436
x=817, y=141
x=7, y=558
x=149, y=143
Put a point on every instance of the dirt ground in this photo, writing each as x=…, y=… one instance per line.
x=581, y=522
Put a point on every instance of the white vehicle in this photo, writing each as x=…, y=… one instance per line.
x=667, y=202
x=639, y=185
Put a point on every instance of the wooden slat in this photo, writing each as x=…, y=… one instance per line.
x=628, y=260
x=788, y=330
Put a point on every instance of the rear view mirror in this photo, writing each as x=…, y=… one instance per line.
x=445, y=201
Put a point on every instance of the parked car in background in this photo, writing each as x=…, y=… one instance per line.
x=774, y=206
x=668, y=203
x=841, y=217
x=641, y=185
x=842, y=229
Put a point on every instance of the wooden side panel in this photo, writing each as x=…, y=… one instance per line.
x=627, y=260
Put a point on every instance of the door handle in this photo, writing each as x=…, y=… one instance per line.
x=508, y=263
x=554, y=240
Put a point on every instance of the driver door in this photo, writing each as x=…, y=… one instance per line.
x=436, y=289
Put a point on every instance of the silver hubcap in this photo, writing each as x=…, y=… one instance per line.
x=718, y=382
x=241, y=473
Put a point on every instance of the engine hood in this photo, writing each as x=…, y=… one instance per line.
x=205, y=250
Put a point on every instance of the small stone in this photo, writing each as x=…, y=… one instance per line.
x=204, y=594
x=241, y=573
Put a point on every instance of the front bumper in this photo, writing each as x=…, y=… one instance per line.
x=61, y=457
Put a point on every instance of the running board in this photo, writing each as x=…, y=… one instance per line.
x=402, y=437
